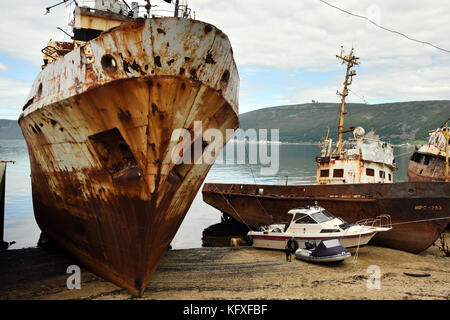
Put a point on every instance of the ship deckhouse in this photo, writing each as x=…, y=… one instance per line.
x=361, y=160
x=358, y=160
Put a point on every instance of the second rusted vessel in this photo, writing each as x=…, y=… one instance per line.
x=355, y=182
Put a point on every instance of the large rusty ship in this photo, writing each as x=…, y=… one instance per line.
x=98, y=125
x=355, y=182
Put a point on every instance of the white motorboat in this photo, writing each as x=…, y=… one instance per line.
x=314, y=224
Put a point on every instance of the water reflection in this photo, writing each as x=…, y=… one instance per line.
x=20, y=225
x=296, y=162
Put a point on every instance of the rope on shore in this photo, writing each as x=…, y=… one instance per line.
x=415, y=221
x=254, y=180
x=355, y=257
x=217, y=189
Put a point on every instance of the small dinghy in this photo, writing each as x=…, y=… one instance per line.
x=327, y=251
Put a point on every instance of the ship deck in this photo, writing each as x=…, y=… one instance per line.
x=244, y=273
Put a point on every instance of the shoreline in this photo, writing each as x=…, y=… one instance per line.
x=235, y=274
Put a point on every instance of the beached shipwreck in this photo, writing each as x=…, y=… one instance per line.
x=430, y=162
x=98, y=123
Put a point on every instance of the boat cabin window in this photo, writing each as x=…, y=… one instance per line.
x=338, y=173
x=322, y=216
x=301, y=218
x=370, y=172
x=390, y=177
x=417, y=157
x=382, y=174
x=324, y=173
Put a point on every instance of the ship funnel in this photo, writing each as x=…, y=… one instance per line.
x=359, y=132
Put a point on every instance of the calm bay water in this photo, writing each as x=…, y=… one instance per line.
x=296, y=162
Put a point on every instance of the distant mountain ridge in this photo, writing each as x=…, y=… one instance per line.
x=399, y=122
x=9, y=129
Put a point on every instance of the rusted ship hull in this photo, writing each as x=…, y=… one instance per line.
x=98, y=127
x=424, y=167
x=419, y=211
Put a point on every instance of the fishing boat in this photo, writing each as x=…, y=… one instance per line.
x=430, y=162
x=314, y=224
x=107, y=181
x=328, y=251
x=355, y=181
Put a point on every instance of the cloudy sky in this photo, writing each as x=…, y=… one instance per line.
x=285, y=51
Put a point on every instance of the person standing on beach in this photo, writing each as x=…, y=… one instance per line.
x=288, y=251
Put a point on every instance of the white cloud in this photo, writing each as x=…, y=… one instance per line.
x=293, y=35
x=27, y=30
x=13, y=94
x=381, y=85
x=308, y=35
x=3, y=68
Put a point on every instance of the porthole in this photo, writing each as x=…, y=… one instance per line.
x=109, y=64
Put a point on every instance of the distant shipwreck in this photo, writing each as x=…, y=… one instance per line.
x=430, y=162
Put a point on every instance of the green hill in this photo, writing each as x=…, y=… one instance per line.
x=395, y=122
x=9, y=129
x=399, y=122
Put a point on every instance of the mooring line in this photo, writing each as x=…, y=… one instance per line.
x=415, y=221
x=254, y=180
x=355, y=257
x=232, y=206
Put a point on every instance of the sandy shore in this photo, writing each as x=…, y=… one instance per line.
x=245, y=273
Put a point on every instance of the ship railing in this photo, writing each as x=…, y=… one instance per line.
x=50, y=51
x=381, y=221
x=183, y=10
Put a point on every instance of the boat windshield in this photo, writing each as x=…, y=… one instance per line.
x=322, y=216
x=331, y=243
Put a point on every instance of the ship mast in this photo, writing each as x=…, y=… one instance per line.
x=351, y=61
x=177, y=4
